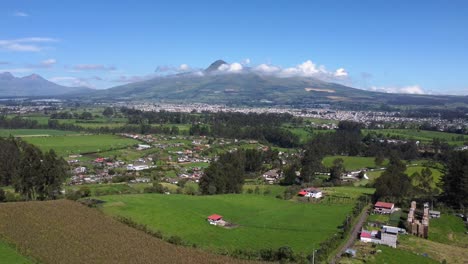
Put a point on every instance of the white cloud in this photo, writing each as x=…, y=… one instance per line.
x=246, y=61
x=20, y=14
x=232, y=68
x=33, y=44
x=93, y=67
x=74, y=81
x=411, y=89
x=48, y=62
x=184, y=67
x=341, y=73
x=305, y=69
x=133, y=78
x=265, y=68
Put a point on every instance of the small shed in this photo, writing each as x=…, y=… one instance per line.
x=215, y=219
x=434, y=214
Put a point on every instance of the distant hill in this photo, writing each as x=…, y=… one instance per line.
x=33, y=85
x=250, y=87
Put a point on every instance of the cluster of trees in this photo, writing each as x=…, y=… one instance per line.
x=393, y=184
x=396, y=186
x=264, y=126
x=17, y=122
x=455, y=181
x=69, y=115
x=33, y=174
x=227, y=174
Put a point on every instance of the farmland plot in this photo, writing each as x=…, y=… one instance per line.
x=63, y=231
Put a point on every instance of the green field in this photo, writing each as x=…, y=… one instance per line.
x=353, y=162
x=436, y=174
x=8, y=255
x=66, y=145
x=34, y=132
x=421, y=135
x=263, y=221
x=449, y=229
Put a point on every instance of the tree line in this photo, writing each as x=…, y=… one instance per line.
x=33, y=174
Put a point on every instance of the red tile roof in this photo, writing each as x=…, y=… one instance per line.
x=366, y=234
x=214, y=217
x=384, y=205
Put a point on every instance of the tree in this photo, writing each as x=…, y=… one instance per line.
x=54, y=172
x=9, y=156
x=2, y=195
x=108, y=112
x=455, y=180
x=337, y=170
x=393, y=185
x=290, y=175
x=28, y=182
x=86, y=116
x=311, y=163
x=226, y=175
x=379, y=159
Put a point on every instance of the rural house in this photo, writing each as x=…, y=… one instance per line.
x=311, y=192
x=384, y=208
x=216, y=219
x=387, y=236
x=271, y=176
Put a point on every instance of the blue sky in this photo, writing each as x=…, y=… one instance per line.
x=396, y=46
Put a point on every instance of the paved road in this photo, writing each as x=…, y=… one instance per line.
x=356, y=229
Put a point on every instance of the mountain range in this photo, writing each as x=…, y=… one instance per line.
x=34, y=85
x=216, y=86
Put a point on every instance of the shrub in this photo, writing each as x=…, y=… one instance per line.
x=2, y=196
x=176, y=240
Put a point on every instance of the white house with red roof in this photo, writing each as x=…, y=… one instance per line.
x=311, y=192
x=215, y=219
x=384, y=208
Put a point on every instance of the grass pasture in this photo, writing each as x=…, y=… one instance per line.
x=62, y=231
x=9, y=255
x=66, y=145
x=421, y=135
x=353, y=162
x=263, y=221
x=34, y=132
x=366, y=253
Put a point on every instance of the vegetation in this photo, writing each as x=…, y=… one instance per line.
x=55, y=231
x=66, y=145
x=455, y=180
x=10, y=256
x=262, y=221
x=33, y=174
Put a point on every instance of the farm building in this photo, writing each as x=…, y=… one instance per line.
x=384, y=208
x=311, y=192
x=387, y=236
x=271, y=176
x=143, y=146
x=216, y=219
x=137, y=167
x=434, y=214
